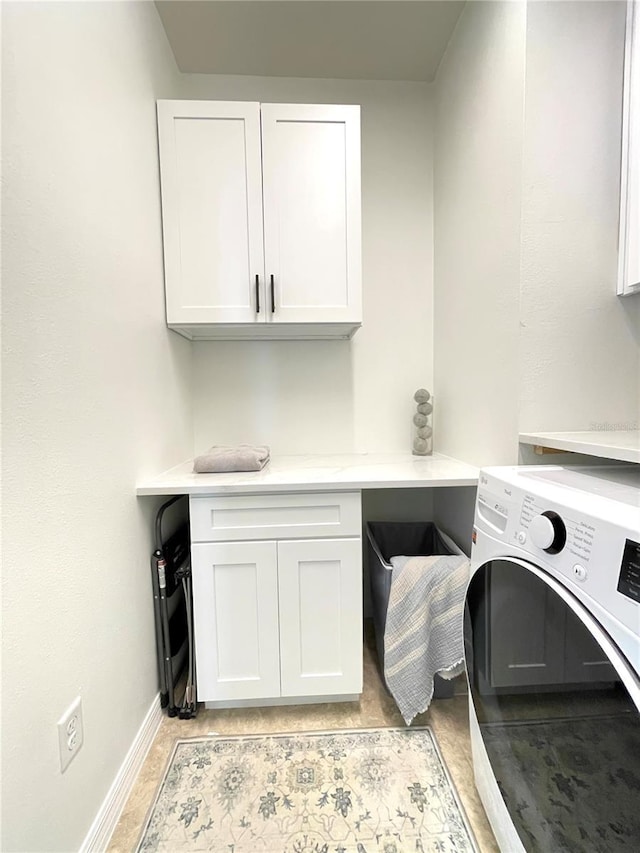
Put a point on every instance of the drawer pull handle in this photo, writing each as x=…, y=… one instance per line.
x=273, y=297
x=257, y=294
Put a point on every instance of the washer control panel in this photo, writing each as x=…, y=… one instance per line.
x=588, y=542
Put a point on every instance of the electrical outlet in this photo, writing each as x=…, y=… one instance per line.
x=70, y=733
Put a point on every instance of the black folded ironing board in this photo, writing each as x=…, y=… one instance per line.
x=173, y=614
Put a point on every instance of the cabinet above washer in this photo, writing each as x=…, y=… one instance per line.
x=629, y=243
x=261, y=219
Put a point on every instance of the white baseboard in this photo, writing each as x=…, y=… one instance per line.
x=102, y=828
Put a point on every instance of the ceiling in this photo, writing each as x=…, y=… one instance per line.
x=344, y=39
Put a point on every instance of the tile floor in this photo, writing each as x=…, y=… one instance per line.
x=447, y=717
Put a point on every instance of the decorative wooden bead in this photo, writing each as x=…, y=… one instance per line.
x=425, y=408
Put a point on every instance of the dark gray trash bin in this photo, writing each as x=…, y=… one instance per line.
x=387, y=539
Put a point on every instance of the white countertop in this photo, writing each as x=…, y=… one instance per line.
x=623, y=446
x=342, y=472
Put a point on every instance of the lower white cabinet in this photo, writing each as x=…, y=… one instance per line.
x=279, y=620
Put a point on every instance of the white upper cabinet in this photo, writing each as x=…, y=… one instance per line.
x=261, y=219
x=629, y=249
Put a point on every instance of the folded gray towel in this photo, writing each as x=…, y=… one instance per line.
x=220, y=457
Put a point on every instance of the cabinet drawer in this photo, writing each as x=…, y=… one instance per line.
x=215, y=519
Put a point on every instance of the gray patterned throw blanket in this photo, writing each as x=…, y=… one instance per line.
x=423, y=631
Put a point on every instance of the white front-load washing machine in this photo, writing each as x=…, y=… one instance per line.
x=552, y=644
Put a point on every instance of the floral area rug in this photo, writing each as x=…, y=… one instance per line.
x=369, y=791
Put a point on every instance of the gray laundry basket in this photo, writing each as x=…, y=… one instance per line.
x=387, y=539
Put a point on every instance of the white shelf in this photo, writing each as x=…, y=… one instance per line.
x=623, y=446
x=318, y=473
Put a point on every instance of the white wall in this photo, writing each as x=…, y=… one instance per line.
x=96, y=395
x=305, y=396
x=478, y=158
x=580, y=343
x=529, y=333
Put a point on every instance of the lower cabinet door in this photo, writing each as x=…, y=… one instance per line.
x=320, y=596
x=235, y=603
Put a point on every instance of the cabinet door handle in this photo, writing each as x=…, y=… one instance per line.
x=273, y=297
x=257, y=294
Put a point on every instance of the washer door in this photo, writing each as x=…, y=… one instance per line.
x=556, y=705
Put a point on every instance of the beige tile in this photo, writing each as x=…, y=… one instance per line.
x=447, y=717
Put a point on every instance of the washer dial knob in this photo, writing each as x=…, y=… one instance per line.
x=547, y=531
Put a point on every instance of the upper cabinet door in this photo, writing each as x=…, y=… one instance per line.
x=629, y=250
x=311, y=186
x=212, y=211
